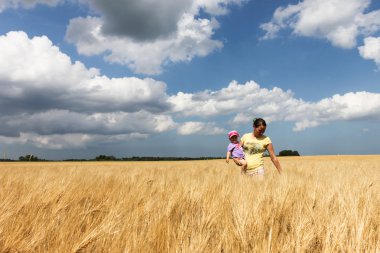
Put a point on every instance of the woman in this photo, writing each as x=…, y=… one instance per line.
x=254, y=145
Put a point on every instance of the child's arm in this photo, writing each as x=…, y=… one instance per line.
x=228, y=156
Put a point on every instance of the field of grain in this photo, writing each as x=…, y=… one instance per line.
x=319, y=204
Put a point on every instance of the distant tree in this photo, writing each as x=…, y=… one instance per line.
x=29, y=158
x=106, y=158
x=6, y=160
x=288, y=153
x=167, y=158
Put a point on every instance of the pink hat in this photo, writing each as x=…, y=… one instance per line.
x=233, y=133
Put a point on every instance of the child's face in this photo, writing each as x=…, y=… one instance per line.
x=233, y=138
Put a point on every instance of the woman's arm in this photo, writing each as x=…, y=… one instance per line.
x=274, y=158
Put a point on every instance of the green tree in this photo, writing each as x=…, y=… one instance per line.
x=105, y=158
x=288, y=153
x=28, y=158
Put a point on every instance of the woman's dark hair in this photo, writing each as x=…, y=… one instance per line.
x=259, y=121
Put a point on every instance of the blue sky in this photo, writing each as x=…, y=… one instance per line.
x=81, y=78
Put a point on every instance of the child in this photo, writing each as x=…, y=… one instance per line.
x=235, y=151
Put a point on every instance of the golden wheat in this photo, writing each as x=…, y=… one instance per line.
x=319, y=204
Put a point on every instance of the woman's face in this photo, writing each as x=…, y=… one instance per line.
x=259, y=130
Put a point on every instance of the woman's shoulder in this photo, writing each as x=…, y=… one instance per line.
x=246, y=135
x=266, y=138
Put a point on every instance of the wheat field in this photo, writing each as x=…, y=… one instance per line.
x=319, y=204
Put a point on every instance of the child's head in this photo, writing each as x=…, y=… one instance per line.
x=233, y=136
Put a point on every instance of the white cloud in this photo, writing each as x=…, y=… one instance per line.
x=179, y=36
x=27, y=4
x=350, y=106
x=196, y=127
x=57, y=141
x=142, y=35
x=58, y=103
x=233, y=98
x=45, y=95
x=150, y=19
x=64, y=141
x=38, y=61
x=283, y=17
x=35, y=75
x=126, y=94
x=215, y=7
x=192, y=39
x=371, y=49
x=338, y=21
x=63, y=122
x=246, y=101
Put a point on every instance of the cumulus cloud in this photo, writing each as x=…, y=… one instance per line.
x=37, y=63
x=140, y=20
x=49, y=101
x=52, y=122
x=338, y=21
x=146, y=35
x=150, y=19
x=273, y=105
x=231, y=99
x=45, y=95
x=215, y=7
x=350, y=106
x=143, y=35
x=62, y=141
x=196, y=127
x=27, y=4
x=371, y=49
x=192, y=39
x=35, y=73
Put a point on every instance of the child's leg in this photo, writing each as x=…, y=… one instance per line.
x=237, y=161
x=244, y=165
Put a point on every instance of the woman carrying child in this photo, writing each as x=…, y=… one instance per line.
x=254, y=145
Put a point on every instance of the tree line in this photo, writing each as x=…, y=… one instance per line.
x=288, y=153
x=33, y=158
x=151, y=158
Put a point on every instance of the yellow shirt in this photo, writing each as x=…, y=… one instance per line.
x=254, y=149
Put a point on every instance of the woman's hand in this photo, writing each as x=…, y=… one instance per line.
x=274, y=158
